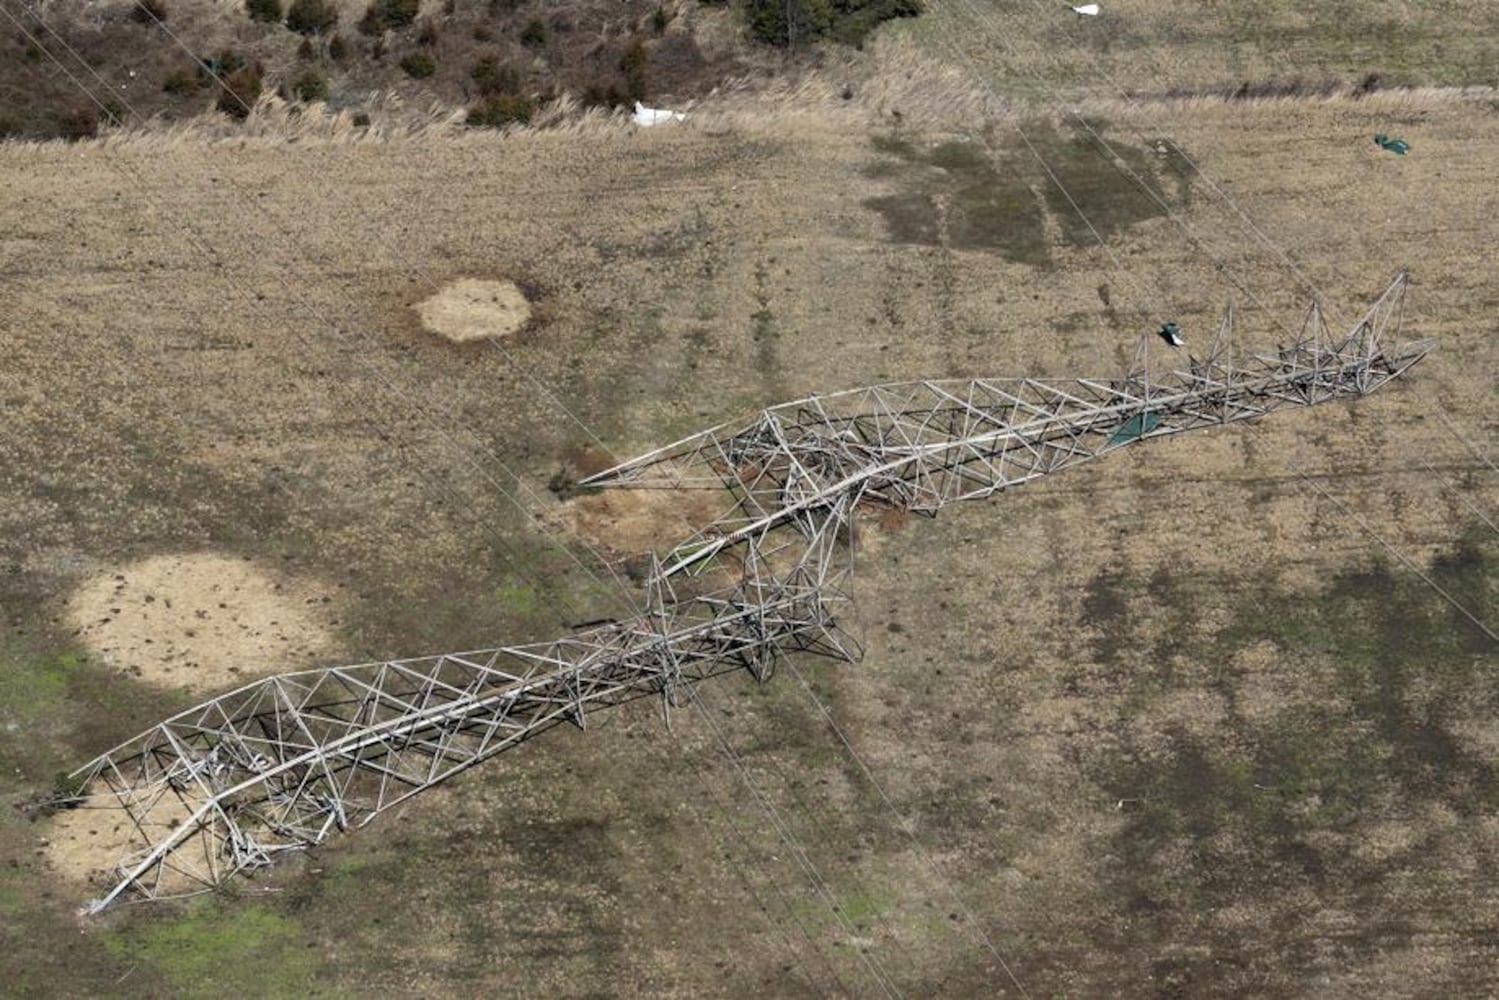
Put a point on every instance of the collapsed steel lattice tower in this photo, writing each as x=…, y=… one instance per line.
x=279, y=764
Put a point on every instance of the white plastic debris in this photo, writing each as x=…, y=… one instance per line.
x=1087, y=10
x=655, y=116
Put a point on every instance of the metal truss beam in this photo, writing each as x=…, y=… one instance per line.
x=282, y=763
x=919, y=446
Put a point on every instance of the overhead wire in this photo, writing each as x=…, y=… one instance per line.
x=1247, y=223
x=905, y=826
x=726, y=811
x=551, y=396
x=503, y=547
x=1246, y=220
x=293, y=290
x=799, y=853
x=1071, y=201
x=214, y=73
x=819, y=884
x=1120, y=164
x=819, y=831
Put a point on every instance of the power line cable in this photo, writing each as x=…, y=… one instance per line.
x=819, y=831
x=725, y=811
x=787, y=834
x=903, y=824
x=322, y=319
x=799, y=854
x=1121, y=165
x=1247, y=223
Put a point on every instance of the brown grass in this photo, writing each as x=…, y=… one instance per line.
x=1032, y=662
x=1177, y=46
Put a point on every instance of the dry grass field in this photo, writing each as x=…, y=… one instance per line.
x=1202, y=718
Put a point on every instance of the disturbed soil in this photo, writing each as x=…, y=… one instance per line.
x=1208, y=716
x=200, y=622
x=473, y=309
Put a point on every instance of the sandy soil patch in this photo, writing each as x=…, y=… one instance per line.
x=472, y=309
x=200, y=621
x=89, y=843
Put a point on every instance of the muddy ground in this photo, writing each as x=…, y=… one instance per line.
x=1206, y=717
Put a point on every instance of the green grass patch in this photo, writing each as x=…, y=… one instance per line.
x=1102, y=182
x=33, y=684
x=12, y=901
x=857, y=909
x=518, y=598
x=230, y=949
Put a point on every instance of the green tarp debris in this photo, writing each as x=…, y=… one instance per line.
x=1137, y=426
x=1397, y=146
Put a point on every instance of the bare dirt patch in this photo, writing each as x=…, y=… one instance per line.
x=199, y=621
x=90, y=842
x=473, y=309
x=637, y=521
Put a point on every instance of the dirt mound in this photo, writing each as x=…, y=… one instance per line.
x=635, y=521
x=472, y=309
x=200, y=621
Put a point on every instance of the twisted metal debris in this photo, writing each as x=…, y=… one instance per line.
x=279, y=764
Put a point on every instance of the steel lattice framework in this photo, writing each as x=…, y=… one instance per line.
x=281, y=763
x=919, y=446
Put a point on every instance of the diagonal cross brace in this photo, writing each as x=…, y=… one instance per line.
x=281, y=763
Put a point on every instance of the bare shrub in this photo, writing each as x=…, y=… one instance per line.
x=180, y=82
x=501, y=110
x=635, y=64
x=419, y=65
x=383, y=15
x=264, y=11
x=493, y=77
x=793, y=22
x=1369, y=84
x=78, y=123
x=311, y=86
x=311, y=17
x=534, y=34
x=241, y=89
